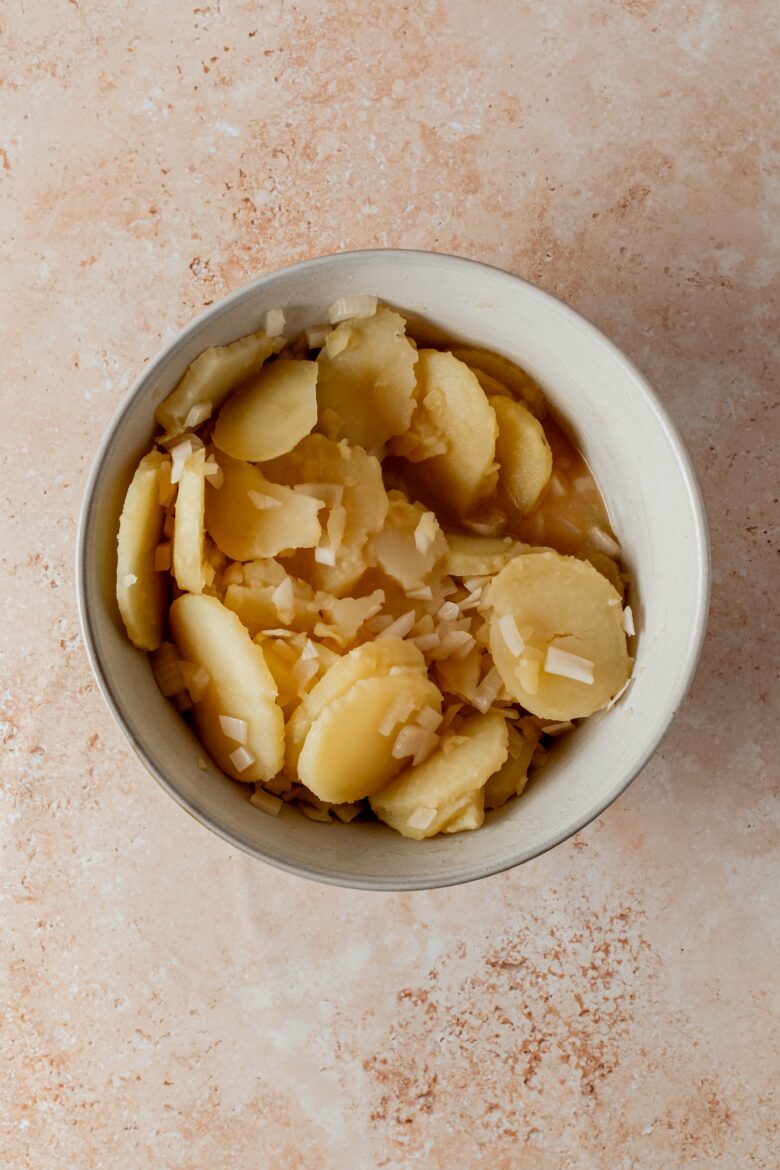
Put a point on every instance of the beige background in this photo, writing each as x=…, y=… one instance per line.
x=170, y=1003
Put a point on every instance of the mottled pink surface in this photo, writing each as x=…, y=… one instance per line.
x=168, y=1001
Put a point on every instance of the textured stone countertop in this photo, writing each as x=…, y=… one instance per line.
x=168, y=1002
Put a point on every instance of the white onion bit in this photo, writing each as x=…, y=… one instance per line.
x=129, y=579
x=400, y=627
x=428, y=718
x=241, y=759
x=515, y=643
x=324, y=555
x=628, y=621
x=353, y=306
x=602, y=541
x=235, y=729
x=567, y=665
x=197, y=415
x=315, y=336
x=266, y=802
x=422, y=818
x=274, y=323
x=261, y=501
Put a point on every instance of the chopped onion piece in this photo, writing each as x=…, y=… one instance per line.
x=241, y=759
x=197, y=415
x=266, y=802
x=162, y=556
x=324, y=555
x=376, y=625
x=422, y=818
x=514, y=641
x=235, y=729
x=304, y=670
x=196, y=679
x=474, y=583
x=628, y=620
x=398, y=712
x=425, y=532
x=353, y=306
x=602, y=541
x=347, y=812
x=457, y=643
x=618, y=694
x=557, y=484
x=309, y=651
x=567, y=665
x=179, y=455
x=558, y=728
x=129, y=579
x=488, y=691
x=283, y=600
x=337, y=522
x=400, y=627
x=472, y=601
x=262, y=501
x=424, y=593
x=484, y=528
x=329, y=494
x=274, y=323
x=450, y=715
x=415, y=742
x=313, y=813
x=165, y=668
x=403, y=670
x=315, y=336
x=278, y=633
x=428, y=718
x=426, y=642
x=450, y=611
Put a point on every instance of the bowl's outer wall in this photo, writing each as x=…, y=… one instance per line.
x=644, y=474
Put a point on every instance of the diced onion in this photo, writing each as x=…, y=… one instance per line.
x=415, y=742
x=313, y=813
x=376, y=625
x=278, y=633
x=315, y=336
x=309, y=652
x=214, y=473
x=329, y=494
x=450, y=715
x=162, y=556
x=283, y=600
x=428, y=718
x=424, y=593
x=347, y=812
x=456, y=642
x=515, y=643
x=602, y=541
x=241, y=759
x=422, y=818
x=567, y=665
x=337, y=522
x=628, y=620
x=472, y=601
x=165, y=668
x=450, y=611
x=197, y=415
x=196, y=679
x=400, y=627
x=324, y=555
x=474, y=583
x=266, y=802
x=425, y=532
x=558, y=728
x=179, y=455
x=304, y=670
x=262, y=501
x=274, y=323
x=129, y=579
x=557, y=484
x=235, y=729
x=353, y=306
x=488, y=690
x=398, y=712
x=425, y=642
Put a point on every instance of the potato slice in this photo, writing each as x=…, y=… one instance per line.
x=490, y=385
x=367, y=379
x=345, y=756
x=607, y=567
x=395, y=549
x=523, y=453
x=559, y=599
x=512, y=777
x=446, y=782
x=520, y=384
x=371, y=660
x=244, y=531
x=189, y=566
x=141, y=591
x=316, y=460
x=451, y=400
x=240, y=685
x=270, y=413
x=210, y=378
x=479, y=556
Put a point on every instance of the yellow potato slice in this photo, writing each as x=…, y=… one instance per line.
x=270, y=413
x=607, y=567
x=367, y=379
x=523, y=453
x=512, y=777
x=254, y=606
x=246, y=532
x=479, y=556
x=559, y=599
x=345, y=756
x=395, y=550
x=240, y=685
x=141, y=591
x=189, y=566
x=517, y=381
x=371, y=660
x=490, y=385
x=451, y=400
x=318, y=459
x=210, y=378
x=446, y=782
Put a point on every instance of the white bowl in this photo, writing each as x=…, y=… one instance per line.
x=639, y=463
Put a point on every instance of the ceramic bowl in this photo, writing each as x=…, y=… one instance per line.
x=645, y=476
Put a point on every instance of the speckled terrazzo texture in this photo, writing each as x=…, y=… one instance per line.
x=167, y=1001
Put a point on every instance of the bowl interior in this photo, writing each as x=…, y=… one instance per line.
x=644, y=475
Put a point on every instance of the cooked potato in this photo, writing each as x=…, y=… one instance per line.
x=245, y=531
x=520, y=384
x=240, y=686
x=141, y=591
x=512, y=777
x=447, y=781
x=345, y=756
x=366, y=379
x=271, y=412
x=490, y=385
x=451, y=400
x=562, y=602
x=470, y=814
x=319, y=460
x=523, y=453
x=479, y=556
x=210, y=378
x=407, y=559
x=607, y=567
x=189, y=566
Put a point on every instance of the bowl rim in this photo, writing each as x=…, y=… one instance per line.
x=700, y=607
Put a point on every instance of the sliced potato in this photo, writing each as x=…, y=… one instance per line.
x=520, y=384
x=451, y=400
x=270, y=413
x=559, y=599
x=367, y=379
x=240, y=685
x=345, y=756
x=479, y=556
x=141, y=591
x=244, y=531
x=489, y=384
x=512, y=777
x=316, y=460
x=395, y=549
x=446, y=782
x=523, y=453
x=254, y=606
x=371, y=660
x=210, y=378
x=607, y=567
x=189, y=566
